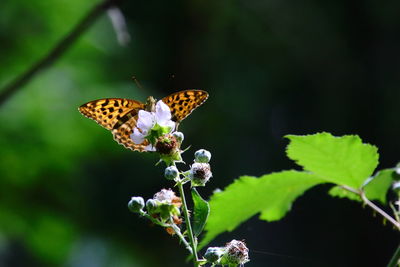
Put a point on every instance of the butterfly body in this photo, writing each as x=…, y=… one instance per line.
x=119, y=115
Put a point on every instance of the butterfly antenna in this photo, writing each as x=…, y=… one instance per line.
x=137, y=82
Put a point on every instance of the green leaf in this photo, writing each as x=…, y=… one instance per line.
x=201, y=212
x=377, y=188
x=271, y=195
x=341, y=160
x=338, y=191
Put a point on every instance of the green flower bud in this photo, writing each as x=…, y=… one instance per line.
x=136, y=204
x=396, y=187
x=151, y=206
x=171, y=173
x=213, y=254
x=202, y=156
x=179, y=136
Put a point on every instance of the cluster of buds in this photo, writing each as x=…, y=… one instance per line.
x=157, y=128
x=233, y=254
x=163, y=208
x=199, y=173
x=156, y=131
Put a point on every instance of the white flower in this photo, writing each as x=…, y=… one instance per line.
x=147, y=120
x=165, y=196
x=163, y=115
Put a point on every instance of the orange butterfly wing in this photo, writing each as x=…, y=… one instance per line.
x=182, y=103
x=110, y=112
x=118, y=115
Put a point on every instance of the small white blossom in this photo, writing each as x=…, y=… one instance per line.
x=148, y=120
x=165, y=196
x=163, y=115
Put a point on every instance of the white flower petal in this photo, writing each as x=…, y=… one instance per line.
x=137, y=137
x=150, y=148
x=146, y=120
x=170, y=124
x=163, y=113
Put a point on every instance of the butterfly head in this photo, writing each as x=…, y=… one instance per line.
x=151, y=104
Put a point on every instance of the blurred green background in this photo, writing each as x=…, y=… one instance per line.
x=271, y=68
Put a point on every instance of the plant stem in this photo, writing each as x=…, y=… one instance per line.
x=188, y=224
x=172, y=225
x=181, y=237
x=395, y=212
x=372, y=205
x=395, y=259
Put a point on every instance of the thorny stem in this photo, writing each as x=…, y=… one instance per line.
x=396, y=256
x=181, y=237
x=372, y=205
x=56, y=52
x=172, y=225
x=188, y=224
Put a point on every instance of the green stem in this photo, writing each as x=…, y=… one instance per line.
x=395, y=259
x=188, y=224
x=395, y=212
x=181, y=237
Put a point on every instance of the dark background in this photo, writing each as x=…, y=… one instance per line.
x=271, y=67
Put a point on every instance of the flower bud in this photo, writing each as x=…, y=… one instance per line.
x=136, y=204
x=151, y=206
x=397, y=168
x=179, y=136
x=213, y=254
x=200, y=173
x=202, y=156
x=171, y=173
x=396, y=187
x=236, y=253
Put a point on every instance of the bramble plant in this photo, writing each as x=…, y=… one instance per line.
x=170, y=211
x=345, y=162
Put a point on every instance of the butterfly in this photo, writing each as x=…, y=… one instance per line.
x=119, y=115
